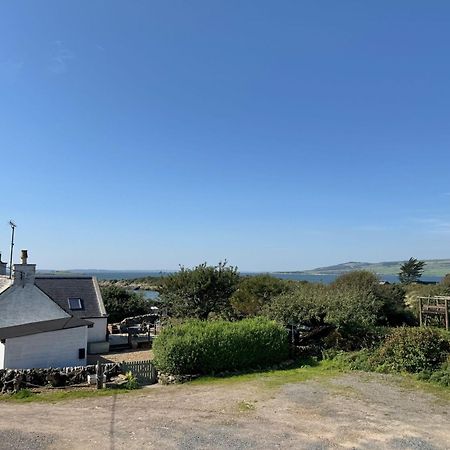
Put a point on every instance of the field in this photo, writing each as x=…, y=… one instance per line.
x=311, y=408
x=435, y=267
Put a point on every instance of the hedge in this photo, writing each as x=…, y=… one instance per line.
x=208, y=347
x=414, y=349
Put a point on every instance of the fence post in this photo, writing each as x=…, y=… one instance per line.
x=99, y=372
x=446, y=313
x=420, y=312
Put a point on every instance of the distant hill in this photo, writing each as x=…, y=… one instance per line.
x=434, y=267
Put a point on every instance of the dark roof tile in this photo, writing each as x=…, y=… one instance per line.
x=60, y=289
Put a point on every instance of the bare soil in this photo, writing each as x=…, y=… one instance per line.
x=357, y=410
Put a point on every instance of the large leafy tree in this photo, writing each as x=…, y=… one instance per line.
x=120, y=303
x=357, y=279
x=199, y=292
x=411, y=271
x=254, y=292
x=354, y=301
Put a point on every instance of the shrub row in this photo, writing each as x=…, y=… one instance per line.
x=200, y=347
x=423, y=351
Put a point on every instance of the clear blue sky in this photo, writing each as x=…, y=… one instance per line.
x=277, y=134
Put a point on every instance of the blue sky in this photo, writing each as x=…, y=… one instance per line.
x=280, y=135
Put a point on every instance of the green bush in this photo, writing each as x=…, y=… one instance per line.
x=202, y=347
x=413, y=350
x=360, y=360
x=358, y=338
x=442, y=375
x=131, y=383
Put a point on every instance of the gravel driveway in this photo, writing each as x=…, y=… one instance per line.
x=356, y=410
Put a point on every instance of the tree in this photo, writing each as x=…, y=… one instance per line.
x=120, y=303
x=254, y=292
x=446, y=281
x=391, y=297
x=199, y=292
x=358, y=279
x=411, y=271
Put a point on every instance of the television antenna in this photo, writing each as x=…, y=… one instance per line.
x=13, y=228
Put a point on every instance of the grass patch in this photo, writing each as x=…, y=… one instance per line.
x=244, y=406
x=27, y=396
x=411, y=383
x=302, y=371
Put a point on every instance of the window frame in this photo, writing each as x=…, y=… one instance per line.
x=80, y=303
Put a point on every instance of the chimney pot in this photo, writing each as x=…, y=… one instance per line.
x=24, y=256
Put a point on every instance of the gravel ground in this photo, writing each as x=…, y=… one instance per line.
x=357, y=410
x=15, y=439
x=125, y=355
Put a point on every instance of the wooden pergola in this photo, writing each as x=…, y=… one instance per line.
x=434, y=307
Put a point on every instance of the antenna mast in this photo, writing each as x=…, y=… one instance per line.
x=13, y=227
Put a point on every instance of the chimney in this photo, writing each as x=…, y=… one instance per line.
x=2, y=266
x=24, y=273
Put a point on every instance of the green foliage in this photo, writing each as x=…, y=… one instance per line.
x=423, y=351
x=360, y=360
x=446, y=281
x=353, y=304
x=411, y=271
x=360, y=338
x=22, y=394
x=199, y=292
x=442, y=375
x=305, y=304
x=357, y=279
x=394, y=310
x=316, y=304
x=413, y=350
x=254, y=292
x=120, y=303
x=201, y=347
x=131, y=381
x=352, y=309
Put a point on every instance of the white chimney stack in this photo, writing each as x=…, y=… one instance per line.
x=24, y=273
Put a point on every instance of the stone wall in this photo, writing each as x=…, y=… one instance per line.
x=12, y=380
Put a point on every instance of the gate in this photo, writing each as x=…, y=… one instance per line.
x=144, y=371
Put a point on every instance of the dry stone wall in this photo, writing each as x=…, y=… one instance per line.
x=12, y=380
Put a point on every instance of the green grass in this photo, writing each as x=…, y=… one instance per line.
x=410, y=382
x=244, y=406
x=302, y=371
x=26, y=396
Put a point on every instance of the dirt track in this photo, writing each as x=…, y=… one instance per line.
x=350, y=411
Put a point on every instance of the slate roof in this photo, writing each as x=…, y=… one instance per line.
x=42, y=327
x=5, y=283
x=60, y=289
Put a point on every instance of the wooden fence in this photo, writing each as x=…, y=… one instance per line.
x=144, y=371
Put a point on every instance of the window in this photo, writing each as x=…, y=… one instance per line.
x=75, y=303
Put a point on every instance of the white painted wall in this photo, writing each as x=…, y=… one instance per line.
x=26, y=304
x=2, y=356
x=98, y=332
x=51, y=349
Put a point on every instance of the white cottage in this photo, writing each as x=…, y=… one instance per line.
x=48, y=322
